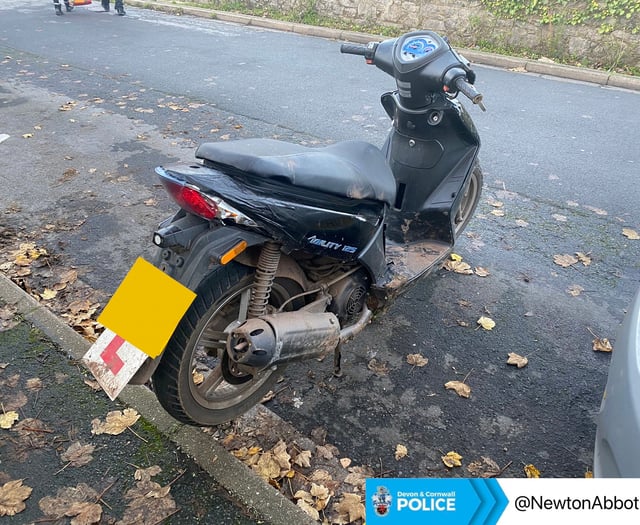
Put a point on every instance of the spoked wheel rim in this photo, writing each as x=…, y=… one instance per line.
x=216, y=382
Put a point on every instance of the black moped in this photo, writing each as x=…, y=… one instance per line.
x=291, y=249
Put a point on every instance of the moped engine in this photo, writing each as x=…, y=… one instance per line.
x=348, y=297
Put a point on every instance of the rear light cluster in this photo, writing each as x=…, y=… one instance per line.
x=191, y=199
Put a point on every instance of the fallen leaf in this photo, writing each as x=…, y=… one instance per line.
x=602, y=345
x=417, y=360
x=115, y=423
x=583, y=258
x=588, y=474
x=309, y=509
x=149, y=502
x=486, y=322
x=303, y=459
x=452, y=459
x=481, y=272
x=575, y=290
x=34, y=384
x=7, y=419
x=77, y=502
x=495, y=203
x=565, y=260
x=458, y=267
x=484, y=468
x=345, y=462
x=531, y=471
x=78, y=455
x=630, y=234
x=48, y=294
x=517, y=360
x=12, y=497
x=350, y=508
x=455, y=257
x=401, y=452
x=522, y=223
x=379, y=368
x=462, y=389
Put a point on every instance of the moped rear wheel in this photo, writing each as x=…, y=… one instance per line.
x=469, y=201
x=196, y=382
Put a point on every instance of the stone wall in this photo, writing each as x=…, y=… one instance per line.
x=467, y=24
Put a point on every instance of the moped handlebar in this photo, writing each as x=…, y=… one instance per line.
x=469, y=91
x=354, y=49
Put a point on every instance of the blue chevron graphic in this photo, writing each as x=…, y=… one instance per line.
x=501, y=501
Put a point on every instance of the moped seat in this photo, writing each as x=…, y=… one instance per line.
x=353, y=169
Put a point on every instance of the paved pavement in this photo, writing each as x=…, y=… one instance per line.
x=207, y=483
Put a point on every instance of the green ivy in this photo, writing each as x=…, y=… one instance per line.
x=608, y=14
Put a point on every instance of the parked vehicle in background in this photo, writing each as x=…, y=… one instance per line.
x=618, y=433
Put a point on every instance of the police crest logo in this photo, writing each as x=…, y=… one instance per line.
x=382, y=501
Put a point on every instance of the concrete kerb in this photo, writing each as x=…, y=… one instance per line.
x=603, y=78
x=249, y=490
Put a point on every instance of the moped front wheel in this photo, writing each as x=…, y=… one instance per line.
x=469, y=201
x=196, y=382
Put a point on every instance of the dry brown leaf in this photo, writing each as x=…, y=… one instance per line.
x=15, y=401
x=630, y=234
x=345, y=462
x=73, y=502
x=320, y=492
x=417, y=360
x=452, y=459
x=484, y=468
x=48, y=294
x=517, y=360
x=458, y=267
x=309, y=509
x=531, y=471
x=115, y=423
x=320, y=476
x=486, y=322
x=303, y=459
x=584, y=258
x=149, y=502
x=145, y=474
x=350, y=508
x=401, y=452
x=565, y=260
x=462, y=389
x=7, y=419
x=481, y=272
x=602, y=345
x=78, y=455
x=575, y=290
x=12, y=497
x=588, y=474
x=281, y=455
x=379, y=368
x=267, y=467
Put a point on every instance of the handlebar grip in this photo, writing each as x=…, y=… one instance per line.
x=470, y=92
x=354, y=49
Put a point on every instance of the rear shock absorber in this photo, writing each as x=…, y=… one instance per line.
x=263, y=279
